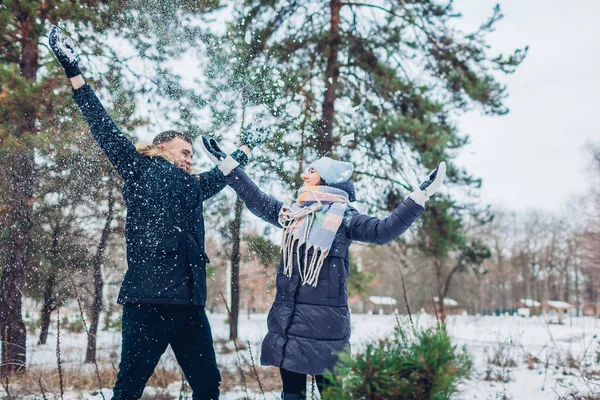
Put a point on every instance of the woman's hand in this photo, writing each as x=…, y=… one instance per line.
x=65, y=52
x=430, y=186
x=435, y=181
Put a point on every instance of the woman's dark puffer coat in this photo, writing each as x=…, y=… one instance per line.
x=309, y=326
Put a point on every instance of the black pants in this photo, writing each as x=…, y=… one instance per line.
x=295, y=383
x=147, y=331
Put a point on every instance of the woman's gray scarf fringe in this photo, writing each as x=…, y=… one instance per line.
x=309, y=272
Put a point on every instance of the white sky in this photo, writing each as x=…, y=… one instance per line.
x=535, y=156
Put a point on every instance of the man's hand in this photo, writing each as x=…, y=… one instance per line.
x=254, y=137
x=226, y=163
x=212, y=150
x=65, y=52
x=435, y=181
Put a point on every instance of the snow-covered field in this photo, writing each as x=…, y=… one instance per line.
x=536, y=360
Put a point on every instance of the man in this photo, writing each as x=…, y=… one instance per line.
x=164, y=290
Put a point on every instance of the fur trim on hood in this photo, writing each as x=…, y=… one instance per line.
x=151, y=150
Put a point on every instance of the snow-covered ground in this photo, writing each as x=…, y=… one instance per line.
x=536, y=359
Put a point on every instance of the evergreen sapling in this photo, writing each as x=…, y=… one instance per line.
x=424, y=365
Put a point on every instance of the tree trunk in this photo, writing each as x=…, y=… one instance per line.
x=12, y=327
x=235, y=227
x=441, y=309
x=47, y=308
x=504, y=299
x=567, y=295
x=90, y=354
x=332, y=73
x=440, y=291
x=13, y=276
x=503, y=277
x=577, y=301
x=531, y=289
x=480, y=292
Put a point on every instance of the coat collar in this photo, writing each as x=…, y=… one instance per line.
x=155, y=152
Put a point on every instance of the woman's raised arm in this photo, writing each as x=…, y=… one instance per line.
x=259, y=203
x=365, y=228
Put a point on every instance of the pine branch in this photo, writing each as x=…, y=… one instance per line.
x=385, y=178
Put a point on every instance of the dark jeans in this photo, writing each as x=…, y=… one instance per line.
x=295, y=383
x=147, y=331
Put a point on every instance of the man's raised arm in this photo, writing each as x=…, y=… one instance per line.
x=118, y=148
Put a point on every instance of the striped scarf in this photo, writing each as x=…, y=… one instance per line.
x=313, y=219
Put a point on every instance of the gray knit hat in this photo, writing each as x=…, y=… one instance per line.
x=333, y=171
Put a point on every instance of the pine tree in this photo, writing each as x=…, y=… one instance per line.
x=393, y=75
x=36, y=109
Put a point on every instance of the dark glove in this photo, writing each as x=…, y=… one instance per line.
x=65, y=52
x=254, y=137
x=218, y=156
x=212, y=150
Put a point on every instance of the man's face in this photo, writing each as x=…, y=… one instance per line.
x=179, y=151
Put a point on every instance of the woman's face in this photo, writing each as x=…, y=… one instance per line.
x=311, y=178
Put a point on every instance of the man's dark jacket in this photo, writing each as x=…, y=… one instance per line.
x=165, y=227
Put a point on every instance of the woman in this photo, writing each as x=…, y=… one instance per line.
x=309, y=322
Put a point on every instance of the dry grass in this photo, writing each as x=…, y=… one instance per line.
x=41, y=381
x=225, y=346
x=161, y=395
x=163, y=377
x=531, y=361
x=573, y=362
x=82, y=378
x=269, y=378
